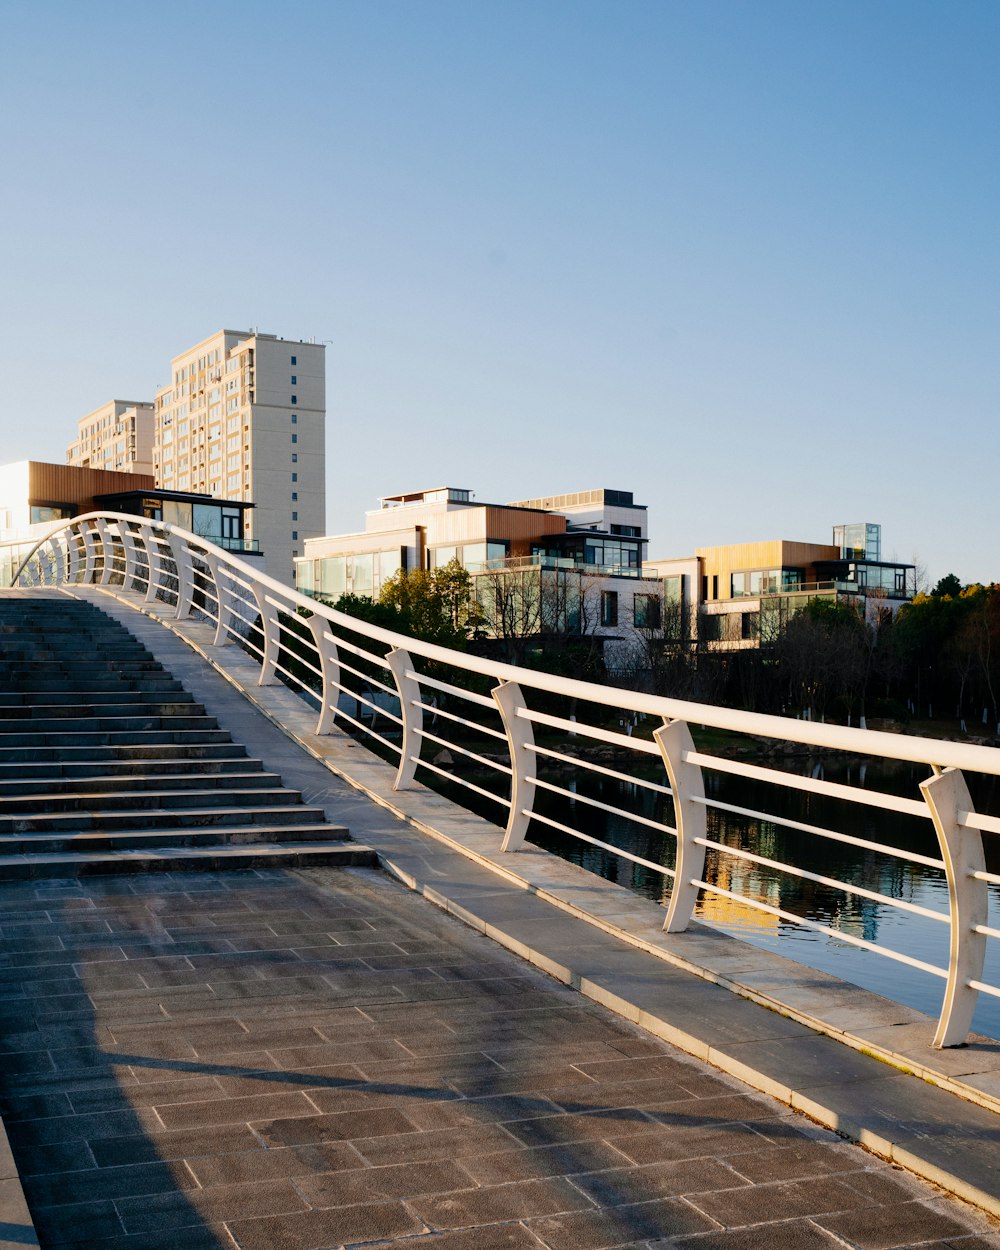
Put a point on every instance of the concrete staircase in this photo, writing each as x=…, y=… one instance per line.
x=108, y=765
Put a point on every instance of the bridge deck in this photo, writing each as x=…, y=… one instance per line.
x=284, y=1062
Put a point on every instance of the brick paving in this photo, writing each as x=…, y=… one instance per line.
x=275, y=1061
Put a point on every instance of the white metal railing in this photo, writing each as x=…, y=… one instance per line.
x=410, y=701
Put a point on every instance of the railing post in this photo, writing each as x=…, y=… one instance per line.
x=272, y=639
x=947, y=796
x=131, y=554
x=105, y=535
x=329, y=664
x=185, y=575
x=154, y=560
x=520, y=740
x=400, y=663
x=73, y=554
x=688, y=785
x=222, y=612
x=58, y=559
x=90, y=551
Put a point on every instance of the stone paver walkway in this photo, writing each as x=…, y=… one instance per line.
x=283, y=1062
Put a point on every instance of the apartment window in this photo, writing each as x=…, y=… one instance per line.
x=295, y=457
x=646, y=611
x=609, y=607
x=295, y=496
x=295, y=536
x=295, y=380
x=295, y=516
x=295, y=438
x=294, y=399
x=295, y=477
x=295, y=360
x=295, y=418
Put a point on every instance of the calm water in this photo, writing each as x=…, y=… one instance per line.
x=876, y=922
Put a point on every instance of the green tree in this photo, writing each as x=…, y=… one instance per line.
x=949, y=586
x=436, y=605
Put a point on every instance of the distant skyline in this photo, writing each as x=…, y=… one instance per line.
x=742, y=260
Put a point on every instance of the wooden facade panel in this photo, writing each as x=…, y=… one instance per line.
x=67, y=484
x=722, y=562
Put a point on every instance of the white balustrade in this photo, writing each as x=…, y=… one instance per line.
x=343, y=663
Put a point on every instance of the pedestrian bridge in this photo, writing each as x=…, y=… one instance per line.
x=377, y=710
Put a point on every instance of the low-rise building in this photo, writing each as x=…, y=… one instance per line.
x=740, y=594
x=562, y=564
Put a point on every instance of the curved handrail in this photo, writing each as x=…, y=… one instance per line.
x=195, y=575
x=910, y=748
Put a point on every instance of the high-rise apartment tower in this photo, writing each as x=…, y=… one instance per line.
x=244, y=417
x=118, y=436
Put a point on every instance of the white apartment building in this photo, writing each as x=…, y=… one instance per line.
x=116, y=436
x=244, y=418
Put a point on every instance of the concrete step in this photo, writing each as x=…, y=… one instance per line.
x=108, y=765
x=83, y=709
x=137, y=799
x=159, y=818
x=91, y=698
x=186, y=859
x=139, y=839
x=66, y=742
x=65, y=684
x=193, y=748
x=139, y=720
x=40, y=787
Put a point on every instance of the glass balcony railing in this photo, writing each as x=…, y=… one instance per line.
x=567, y=563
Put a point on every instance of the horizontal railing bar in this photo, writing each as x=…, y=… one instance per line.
x=983, y=988
x=360, y=698
x=589, y=731
x=605, y=846
x=986, y=930
x=577, y=762
x=980, y=821
x=838, y=934
x=461, y=720
x=360, y=652
x=365, y=729
x=795, y=781
x=366, y=677
x=991, y=877
x=447, y=688
x=453, y=746
x=846, y=887
x=604, y=807
x=460, y=781
x=910, y=856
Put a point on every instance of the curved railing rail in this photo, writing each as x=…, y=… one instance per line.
x=412, y=701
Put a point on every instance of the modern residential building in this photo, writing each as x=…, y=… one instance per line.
x=563, y=564
x=243, y=418
x=117, y=436
x=740, y=594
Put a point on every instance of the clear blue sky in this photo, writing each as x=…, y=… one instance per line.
x=740, y=258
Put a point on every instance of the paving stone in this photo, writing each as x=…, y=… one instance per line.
x=500, y=1203
x=88, y=1222
x=233, y=1110
x=624, y=1226
x=896, y=1224
x=409, y=1180
x=276, y=1163
x=488, y=1237
x=658, y=1180
x=540, y=1161
x=780, y=1235
x=334, y=1227
x=338, y=1126
x=221, y=1202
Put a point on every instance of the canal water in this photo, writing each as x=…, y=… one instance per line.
x=849, y=916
